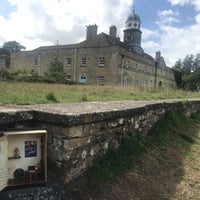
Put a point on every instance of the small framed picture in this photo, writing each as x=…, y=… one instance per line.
x=30, y=149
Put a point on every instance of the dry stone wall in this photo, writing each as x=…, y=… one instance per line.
x=81, y=133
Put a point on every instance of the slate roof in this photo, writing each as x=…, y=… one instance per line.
x=4, y=51
x=101, y=40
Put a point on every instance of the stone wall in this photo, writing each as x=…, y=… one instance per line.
x=80, y=133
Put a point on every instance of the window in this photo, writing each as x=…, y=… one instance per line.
x=100, y=80
x=125, y=81
x=136, y=83
x=2, y=63
x=69, y=77
x=126, y=63
x=129, y=24
x=35, y=62
x=83, y=61
x=101, y=61
x=69, y=62
x=144, y=84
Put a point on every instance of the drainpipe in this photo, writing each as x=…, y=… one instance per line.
x=39, y=59
x=122, y=69
x=75, y=63
x=155, y=78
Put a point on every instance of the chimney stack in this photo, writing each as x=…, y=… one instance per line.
x=113, y=31
x=158, y=55
x=91, y=32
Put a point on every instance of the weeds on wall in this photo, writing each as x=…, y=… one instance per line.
x=134, y=147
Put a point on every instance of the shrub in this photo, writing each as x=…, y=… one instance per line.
x=51, y=97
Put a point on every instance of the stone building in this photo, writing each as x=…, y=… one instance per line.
x=4, y=59
x=102, y=59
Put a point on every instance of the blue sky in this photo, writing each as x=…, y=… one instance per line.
x=6, y=8
x=171, y=26
x=149, y=12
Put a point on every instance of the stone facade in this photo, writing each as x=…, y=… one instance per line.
x=102, y=59
x=4, y=59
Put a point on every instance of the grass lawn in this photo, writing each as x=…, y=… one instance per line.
x=37, y=93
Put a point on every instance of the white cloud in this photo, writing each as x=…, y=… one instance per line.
x=173, y=41
x=39, y=22
x=168, y=17
x=195, y=3
x=181, y=2
x=176, y=43
x=42, y=22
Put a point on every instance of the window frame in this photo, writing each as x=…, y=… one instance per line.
x=101, y=61
x=35, y=62
x=100, y=80
x=68, y=61
x=68, y=77
x=83, y=61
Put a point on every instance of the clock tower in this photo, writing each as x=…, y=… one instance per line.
x=132, y=32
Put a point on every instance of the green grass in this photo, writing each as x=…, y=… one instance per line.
x=37, y=93
x=116, y=162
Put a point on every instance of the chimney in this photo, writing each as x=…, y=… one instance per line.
x=113, y=31
x=158, y=55
x=91, y=32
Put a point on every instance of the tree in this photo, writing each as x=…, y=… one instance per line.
x=13, y=46
x=189, y=69
x=177, y=73
x=56, y=72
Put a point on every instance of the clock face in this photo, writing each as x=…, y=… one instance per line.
x=129, y=37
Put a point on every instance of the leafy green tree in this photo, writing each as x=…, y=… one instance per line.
x=56, y=72
x=177, y=73
x=187, y=72
x=13, y=46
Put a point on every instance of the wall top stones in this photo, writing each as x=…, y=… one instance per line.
x=71, y=114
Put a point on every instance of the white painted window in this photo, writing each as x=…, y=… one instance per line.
x=101, y=61
x=69, y=62
x=100, y=80
x=83, y=61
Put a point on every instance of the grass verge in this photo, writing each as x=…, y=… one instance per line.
x=35, y=93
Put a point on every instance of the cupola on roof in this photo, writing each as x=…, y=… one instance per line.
x=133, y=17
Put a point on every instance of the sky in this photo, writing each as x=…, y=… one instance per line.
x=169, y=26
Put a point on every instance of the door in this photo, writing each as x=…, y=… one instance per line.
x=3, y=162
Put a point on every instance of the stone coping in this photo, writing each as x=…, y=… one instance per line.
x=78, y=113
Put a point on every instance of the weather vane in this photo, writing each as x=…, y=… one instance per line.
x=134, y=1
